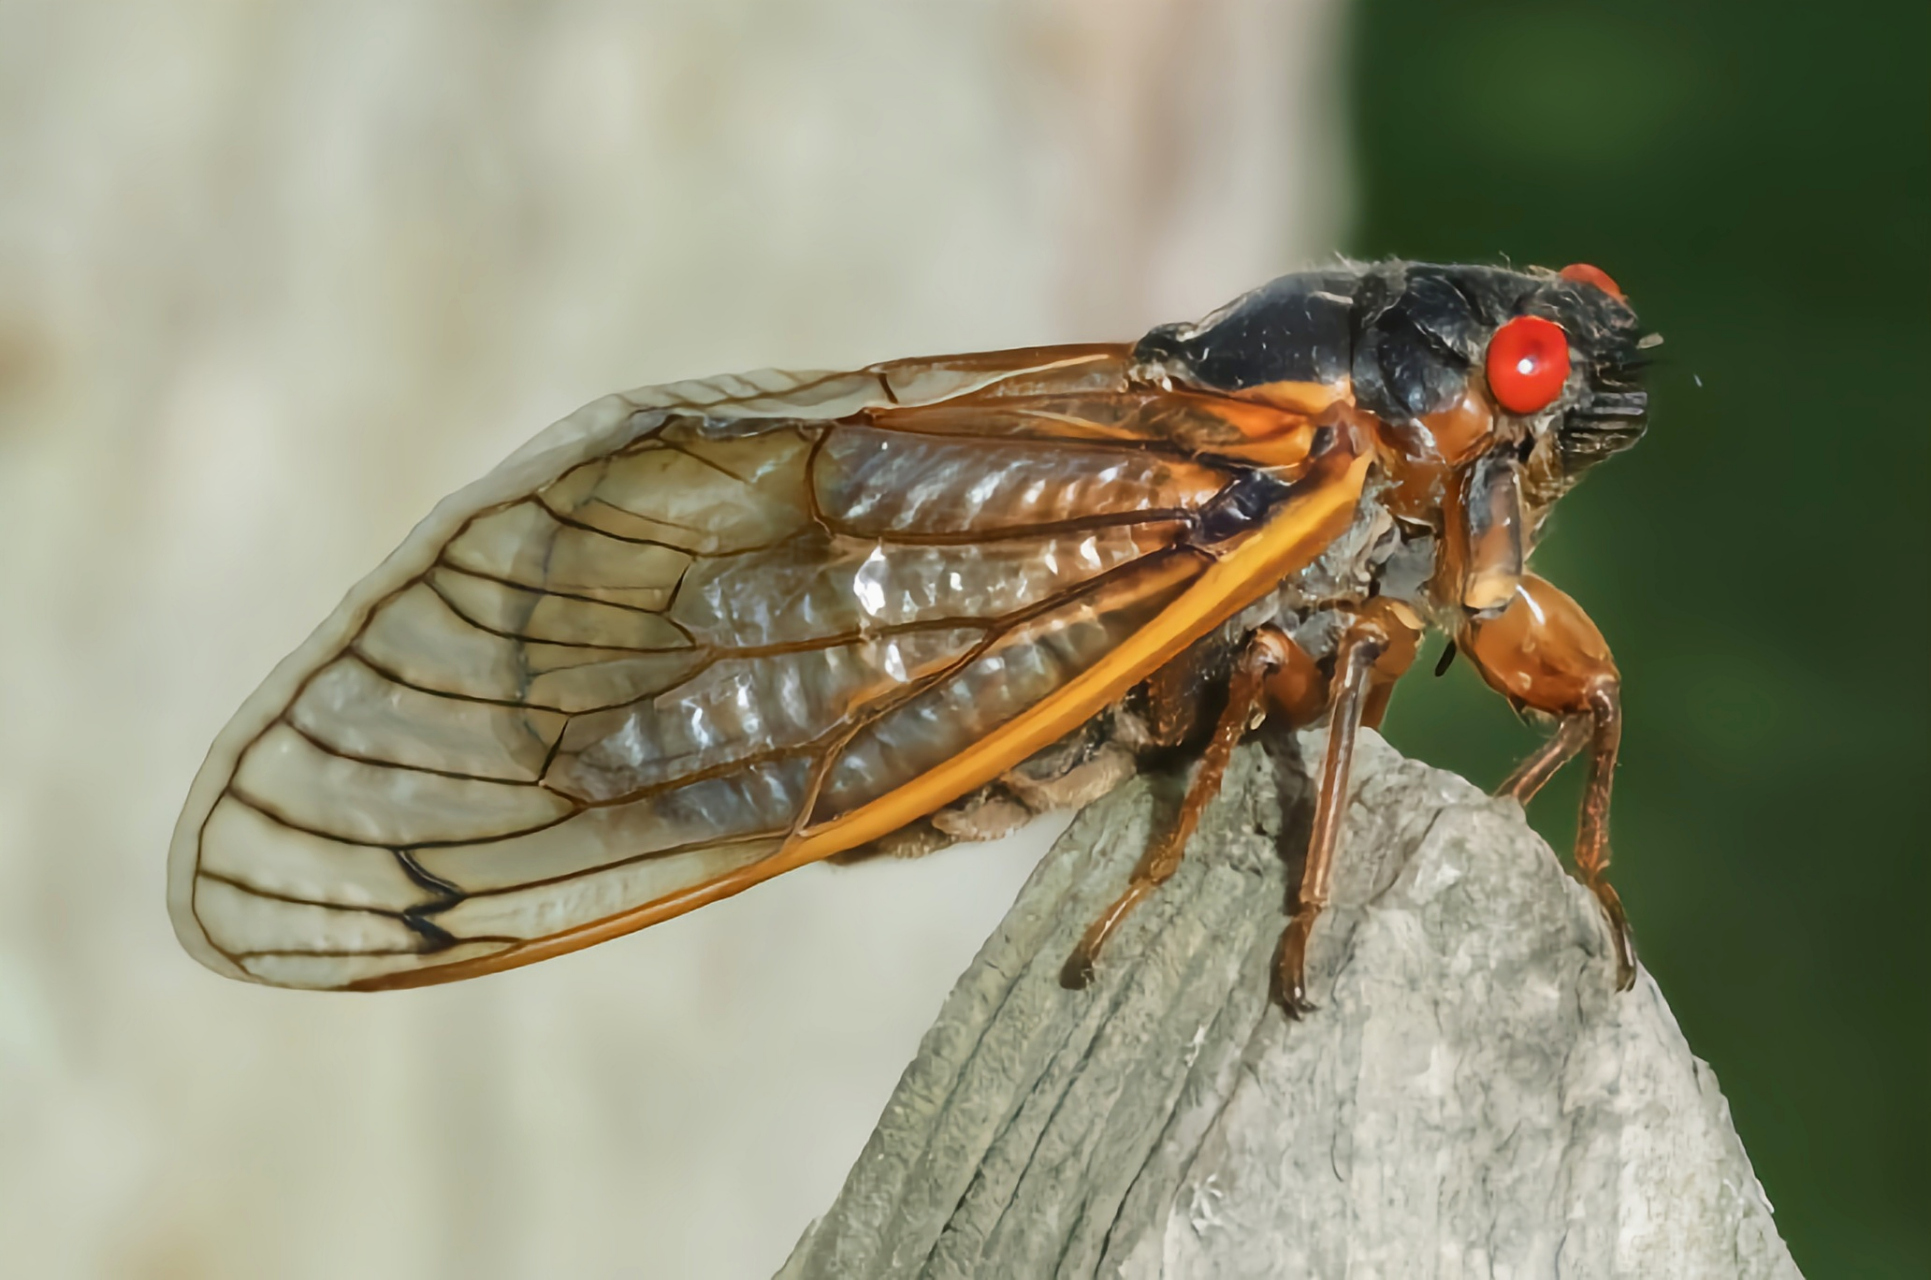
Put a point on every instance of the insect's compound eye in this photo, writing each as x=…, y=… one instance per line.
x=1583, y=273
x=1528, y=361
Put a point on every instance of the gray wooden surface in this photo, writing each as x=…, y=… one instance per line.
x=1472, y=1099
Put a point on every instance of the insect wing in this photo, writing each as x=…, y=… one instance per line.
x=695, y=635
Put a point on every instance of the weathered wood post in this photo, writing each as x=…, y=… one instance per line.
x=1472, y=1098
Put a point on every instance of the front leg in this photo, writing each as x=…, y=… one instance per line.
x=1540, y=650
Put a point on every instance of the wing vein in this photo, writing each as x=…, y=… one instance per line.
x=295, y=900
x=1018, y=533
x=333, y=953
x=376, y=762
x=280, y=819
x=678, y=447
x=689, y=846
x=443, y=562
x=393, y=677
x=526, y=638
x=582, y=527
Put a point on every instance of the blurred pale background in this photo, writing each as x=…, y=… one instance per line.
x=273, y=279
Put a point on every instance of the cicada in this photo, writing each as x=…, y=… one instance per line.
x=696, y=635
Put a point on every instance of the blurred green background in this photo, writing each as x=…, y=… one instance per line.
x=1754, y=175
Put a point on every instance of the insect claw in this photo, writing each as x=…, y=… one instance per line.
x=1291, y=995
x=1290, y=968
x=1612, y=906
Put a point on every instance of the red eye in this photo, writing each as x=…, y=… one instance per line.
x=1583, y=273
x=1528, y=361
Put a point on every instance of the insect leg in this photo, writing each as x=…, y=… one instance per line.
x=1296, y=690
x=1364, y=643
x=1404, y=630
x=1542, y=651
x=1546, y=760
x=1592, y=828
x=1265, y=651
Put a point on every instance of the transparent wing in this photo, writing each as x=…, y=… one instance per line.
x=681, y=637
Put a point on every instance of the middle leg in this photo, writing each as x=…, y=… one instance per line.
x=1376, y=647
x=1266, y=651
